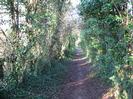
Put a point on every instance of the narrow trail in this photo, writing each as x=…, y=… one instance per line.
x=80, y=84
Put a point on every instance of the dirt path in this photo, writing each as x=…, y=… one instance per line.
x=80, y=84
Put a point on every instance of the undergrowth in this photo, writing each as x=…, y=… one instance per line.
x=43, y=86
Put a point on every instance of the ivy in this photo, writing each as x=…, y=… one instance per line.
x=108, y=38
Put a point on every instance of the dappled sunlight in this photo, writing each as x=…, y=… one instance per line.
x=78, y=41
x=108, y=94
x=79, y=59
x=77, y=83
x=85, y=46
x=84, y=64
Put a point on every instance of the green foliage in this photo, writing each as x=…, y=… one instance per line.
x=108, y=40
x=69, y=52
x=35, y=51
x=45, y=85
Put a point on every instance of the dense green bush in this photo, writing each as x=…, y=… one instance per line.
x=108, y=39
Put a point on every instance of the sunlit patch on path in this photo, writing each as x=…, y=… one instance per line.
x=76, y=83
x=79, y=59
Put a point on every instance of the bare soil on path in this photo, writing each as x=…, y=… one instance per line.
x=80, y=83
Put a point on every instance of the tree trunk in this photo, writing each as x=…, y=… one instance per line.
x=1, y=68
x=56, y=36
x=17, y=19
x=12, y=11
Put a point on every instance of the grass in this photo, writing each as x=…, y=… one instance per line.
x=44, y=86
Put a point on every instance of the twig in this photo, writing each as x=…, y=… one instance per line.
x=118, y=11
x=5, y=35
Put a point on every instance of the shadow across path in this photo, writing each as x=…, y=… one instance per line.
x=80, y=84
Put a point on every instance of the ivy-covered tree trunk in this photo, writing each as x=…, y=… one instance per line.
x=55, y=47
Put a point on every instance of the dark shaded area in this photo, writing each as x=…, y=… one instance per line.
x=1, y=68
x=43, y=86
